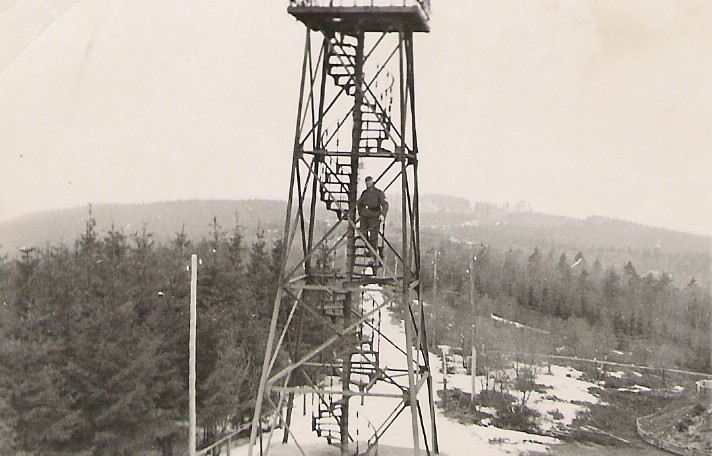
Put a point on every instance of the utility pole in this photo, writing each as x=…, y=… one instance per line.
x=435, y=276
x=191, y=374
x=473, y=330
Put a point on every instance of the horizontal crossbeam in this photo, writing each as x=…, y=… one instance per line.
x=349, y=393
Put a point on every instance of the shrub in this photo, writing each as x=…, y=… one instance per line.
x=518, y=418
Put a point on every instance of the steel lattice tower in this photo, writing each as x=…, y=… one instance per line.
x=355, y=116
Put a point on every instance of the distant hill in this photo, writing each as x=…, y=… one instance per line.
x=435, y=203
x=163, y=219
x=525, y=229
x=612, y=241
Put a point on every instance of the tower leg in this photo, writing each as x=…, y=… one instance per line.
x=413, y=394
x=407, y=250
x=278, y=298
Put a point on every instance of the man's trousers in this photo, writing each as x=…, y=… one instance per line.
x=370, y=227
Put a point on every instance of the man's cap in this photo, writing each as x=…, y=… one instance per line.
x=369, y=178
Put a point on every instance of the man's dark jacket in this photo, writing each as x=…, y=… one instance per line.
x=372, y=203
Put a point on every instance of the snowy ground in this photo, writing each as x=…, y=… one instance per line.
x=564, y=386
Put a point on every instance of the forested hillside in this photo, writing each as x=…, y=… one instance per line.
x=612, y=242
x=94, y=339
x=587, y=309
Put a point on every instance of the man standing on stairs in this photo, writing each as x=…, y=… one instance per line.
x=372, y=208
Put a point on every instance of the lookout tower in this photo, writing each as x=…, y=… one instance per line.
x=355, y=118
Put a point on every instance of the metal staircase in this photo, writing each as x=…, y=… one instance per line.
x=334, y=185
x=334, y=192
x=327, y=421
x=365, y=265
x=334, y=304
x=375, y=109
x=365, y=367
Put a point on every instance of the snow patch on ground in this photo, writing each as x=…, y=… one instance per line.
x=488, y=410
x=563, y=386
x=566, y=395
x=635, y=389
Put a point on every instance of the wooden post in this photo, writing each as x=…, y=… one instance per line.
x=445, y=351
x=288, y=421
x=191, y=375
x=474, y=374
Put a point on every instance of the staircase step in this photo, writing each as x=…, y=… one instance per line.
x=343, y=79
x=327, y=415
x=341, y=53
x=332, y=196
x=335, y=40
x=344, y=46
x=371, y=108
x=367, y=117
x=362, y=275
x=372, y=140
x=335, y=204
x=375, y=126
x=374, y=149
x=334, y=189
x=333, y=178
x=370, y=361
x=362, y=359
x=335, y=69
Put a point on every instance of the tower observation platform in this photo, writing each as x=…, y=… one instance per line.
x=365, y=16
x=347, y=261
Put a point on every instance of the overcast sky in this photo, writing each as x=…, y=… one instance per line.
x=580, y=107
